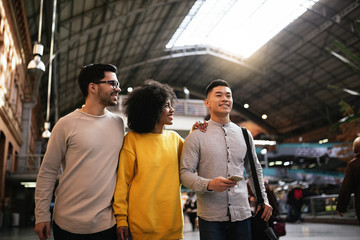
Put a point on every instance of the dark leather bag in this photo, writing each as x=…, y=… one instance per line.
x=259, y=228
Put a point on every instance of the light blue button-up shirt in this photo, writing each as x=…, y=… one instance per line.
x=220, y=151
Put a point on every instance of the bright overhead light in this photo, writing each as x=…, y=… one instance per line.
x=46, y=133
x=240, y=27
x=246, y=105
x=28, y=184
x=264, y=143
x=264, y=116
x=36, y=63
x=186, y=91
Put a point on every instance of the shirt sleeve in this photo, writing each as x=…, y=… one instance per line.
x=49, y=171
x=125, y=175
x=188, y=166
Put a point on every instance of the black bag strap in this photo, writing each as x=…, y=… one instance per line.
x=259, y=198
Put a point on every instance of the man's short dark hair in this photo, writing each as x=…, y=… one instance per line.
x=93, y=73
x=145, y=104
x=216, y=83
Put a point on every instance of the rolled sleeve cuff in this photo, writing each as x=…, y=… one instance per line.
x=121, y=222
x=206, y=182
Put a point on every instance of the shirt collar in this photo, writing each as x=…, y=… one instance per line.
x=212, y=122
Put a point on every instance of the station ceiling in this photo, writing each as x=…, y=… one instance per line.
x=288, y=78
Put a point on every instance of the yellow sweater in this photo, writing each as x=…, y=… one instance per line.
x=147, y=194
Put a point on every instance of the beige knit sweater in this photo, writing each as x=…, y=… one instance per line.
x=86, y=147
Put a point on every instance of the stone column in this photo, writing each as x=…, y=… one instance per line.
x=25, y=135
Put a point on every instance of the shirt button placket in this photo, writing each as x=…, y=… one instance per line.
x=228, y=157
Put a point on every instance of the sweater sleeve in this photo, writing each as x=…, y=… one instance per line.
x=125, y=175
x=48, y=173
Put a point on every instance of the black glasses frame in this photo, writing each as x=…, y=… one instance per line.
x=114, y=84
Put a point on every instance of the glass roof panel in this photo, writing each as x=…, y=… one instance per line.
x=240, y=27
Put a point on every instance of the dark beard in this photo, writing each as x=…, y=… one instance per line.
x=113, y=103
x=108, y=102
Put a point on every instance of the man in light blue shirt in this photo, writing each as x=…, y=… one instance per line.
x=209, y=159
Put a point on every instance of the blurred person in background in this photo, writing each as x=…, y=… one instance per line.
x=190, y=209
x=295, y=200
x=351, y=183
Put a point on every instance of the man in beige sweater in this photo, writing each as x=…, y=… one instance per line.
x=85, y=145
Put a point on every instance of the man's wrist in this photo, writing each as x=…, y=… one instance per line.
x=208, y=187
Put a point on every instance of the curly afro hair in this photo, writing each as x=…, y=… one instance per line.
x=145, y=104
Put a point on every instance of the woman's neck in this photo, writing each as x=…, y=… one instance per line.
x=158, y=129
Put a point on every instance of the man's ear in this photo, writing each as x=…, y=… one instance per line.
x=92, y=88
x=206, y=102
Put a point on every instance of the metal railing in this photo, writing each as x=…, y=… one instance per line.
x=326, y=205
x=189, y=107
x=29, y=163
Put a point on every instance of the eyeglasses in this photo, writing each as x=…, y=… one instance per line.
x=114, y=84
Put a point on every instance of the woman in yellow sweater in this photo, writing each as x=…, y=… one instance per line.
x=147, y=196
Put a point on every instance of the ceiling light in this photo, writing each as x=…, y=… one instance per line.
x=264, y=116
x=28, y=184
x=312, y=165
x=264, y=143
x=36, y=63
x=246, y=105
x=46, y=133
x=186, y=91
x=263, y=151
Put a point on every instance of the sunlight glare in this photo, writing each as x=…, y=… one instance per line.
x=240, y=27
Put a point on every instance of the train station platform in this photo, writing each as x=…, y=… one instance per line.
x=305, y=231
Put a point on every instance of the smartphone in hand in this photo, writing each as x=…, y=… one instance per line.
x=236, y=178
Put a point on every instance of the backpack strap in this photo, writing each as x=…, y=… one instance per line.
x=259, y=198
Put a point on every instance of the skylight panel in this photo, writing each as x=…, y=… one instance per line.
x=239, y=27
